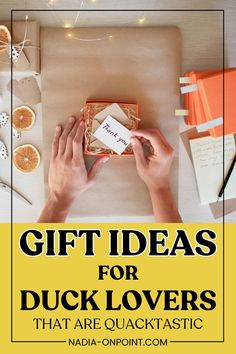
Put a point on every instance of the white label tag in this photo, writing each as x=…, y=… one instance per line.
x=189, y=88
x=114, y=135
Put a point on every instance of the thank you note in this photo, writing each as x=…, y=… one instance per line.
x=114, y=135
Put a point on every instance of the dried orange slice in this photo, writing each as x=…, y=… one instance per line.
x=5, y=38
x=26, y=158
x=23, y=118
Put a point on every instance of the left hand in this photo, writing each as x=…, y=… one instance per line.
x=68, y=176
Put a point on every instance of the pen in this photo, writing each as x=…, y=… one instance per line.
x=227, y=178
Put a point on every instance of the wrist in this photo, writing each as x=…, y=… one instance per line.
x=55, y=210
x=163, y=204
x=58, y=202
x=159, y=189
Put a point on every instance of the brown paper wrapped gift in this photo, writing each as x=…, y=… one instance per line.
x=30, y=60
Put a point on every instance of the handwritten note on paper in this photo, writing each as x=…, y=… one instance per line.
x=114, y=135
x=207, y=154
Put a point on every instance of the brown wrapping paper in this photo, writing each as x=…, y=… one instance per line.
x=138, y=64
x=26, y=89
x=216, y=208
x=30, y=61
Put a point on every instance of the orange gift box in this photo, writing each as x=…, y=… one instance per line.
x=93, y=107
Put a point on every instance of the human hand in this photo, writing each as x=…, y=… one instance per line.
x=68, y=176
x=153, y=169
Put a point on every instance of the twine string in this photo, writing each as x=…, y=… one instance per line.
x=20, y=46
x=25, y=34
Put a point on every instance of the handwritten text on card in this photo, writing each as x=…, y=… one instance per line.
x=114, y=135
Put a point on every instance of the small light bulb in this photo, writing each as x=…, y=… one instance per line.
x=67, y=25
x=26, y=17
x=110, y=36
x=141, y=20
x=69, y=35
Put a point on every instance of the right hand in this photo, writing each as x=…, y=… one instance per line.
x=154, y=169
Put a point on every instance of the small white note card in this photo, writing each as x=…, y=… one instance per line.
x=114, y=135
x=207, y=154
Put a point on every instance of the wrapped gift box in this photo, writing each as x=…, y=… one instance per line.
x=30, y=61
x=93, y=146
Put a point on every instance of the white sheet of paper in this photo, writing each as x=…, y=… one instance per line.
x=207, y=153
x=114, y=135
x=114, y=111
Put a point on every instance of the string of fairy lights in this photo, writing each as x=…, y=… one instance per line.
x=70, y=26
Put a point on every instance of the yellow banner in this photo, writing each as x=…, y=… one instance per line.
x=117, y=287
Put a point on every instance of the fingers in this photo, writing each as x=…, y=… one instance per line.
x=78, y=141
x=70, y=139
x=55, y=143
x=155, y=137
x=96, y=167
x=138, y=152
x=63, y=138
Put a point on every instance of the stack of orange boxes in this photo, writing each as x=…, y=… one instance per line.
x=213, y=98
